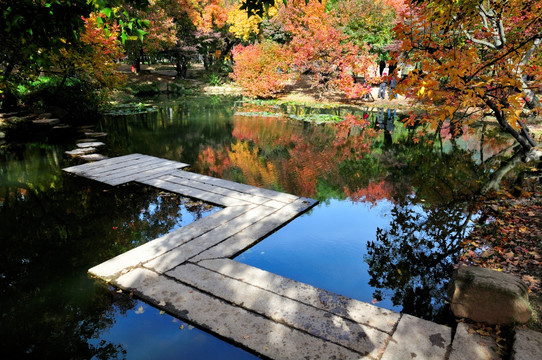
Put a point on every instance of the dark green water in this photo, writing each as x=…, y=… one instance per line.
x=394, y=205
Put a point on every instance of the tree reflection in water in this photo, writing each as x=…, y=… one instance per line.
x=413, y=258
x=53, y=228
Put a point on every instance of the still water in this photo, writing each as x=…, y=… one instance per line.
x=393, y=207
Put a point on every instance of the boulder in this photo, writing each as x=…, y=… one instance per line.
x=489, y=296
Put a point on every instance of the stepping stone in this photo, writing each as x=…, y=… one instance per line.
x=46, y=121
x=61, y=127
x=95, y=134
x=82, y=151
x=93, y=157
x=93, y=144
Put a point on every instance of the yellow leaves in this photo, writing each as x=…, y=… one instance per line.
x=421, y=91
x=241, y=24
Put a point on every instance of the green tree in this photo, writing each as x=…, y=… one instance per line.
x=32, y=31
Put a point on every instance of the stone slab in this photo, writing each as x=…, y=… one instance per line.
x=215, y=189
x=263, y=336
x=270, y=194
x=92, y=144
x=46, y=121
x=212, y=198
x=416, y=338
x=112, y=268
x=129, y=171
x=527, y=345
x=95, y=134
x=80, y=151
x=83, y=169
x=317, y=322
x=93, y=157
x=472, y=346
x=358, y=311
x=183, y=253
x=142, y=173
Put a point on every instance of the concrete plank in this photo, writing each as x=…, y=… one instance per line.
x=253, y=190
x=216, y=189
x=256, y=231
x=132, y=258
x=261, y=335
x=357, y=311
x=194, y=193
x=467, y=346
x=527, y=345
x=127, y=172
x=104, y=164
x=317, y=322
x=141, y=173
x=418, y=338
x=181, y=254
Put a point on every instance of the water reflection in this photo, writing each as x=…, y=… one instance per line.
x=394, y=202
x=411, y=259
x=53, y=228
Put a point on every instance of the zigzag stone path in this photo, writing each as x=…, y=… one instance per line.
x=190, y=274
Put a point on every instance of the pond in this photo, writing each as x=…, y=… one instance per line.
x=394, y=205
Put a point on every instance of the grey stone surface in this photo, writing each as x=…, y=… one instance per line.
x=82, y=170
x=472, y=346
x=128, y=172
x=358, y=311
x=80, y=151
x=181, y=254
x=317, y=322
x=114, y=267
x=489, y=296
x=262, y=335
x=215, y=188
x=416, y=338
x=95, y=134
x=195, y=193
x=46, y=121
x=527, y=345
x=93, y=144
x=93, y=157
x=150, y=172
x=270, y=194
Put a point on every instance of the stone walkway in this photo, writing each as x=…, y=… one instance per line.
x=189, y=273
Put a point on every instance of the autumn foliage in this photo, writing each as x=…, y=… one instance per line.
x=318, y=47
x=261, y=69
x=471, y=59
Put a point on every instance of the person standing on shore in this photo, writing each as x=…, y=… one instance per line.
x=382, y=88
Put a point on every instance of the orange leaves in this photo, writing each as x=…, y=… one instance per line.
x=261, y=69
x=469, y=60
